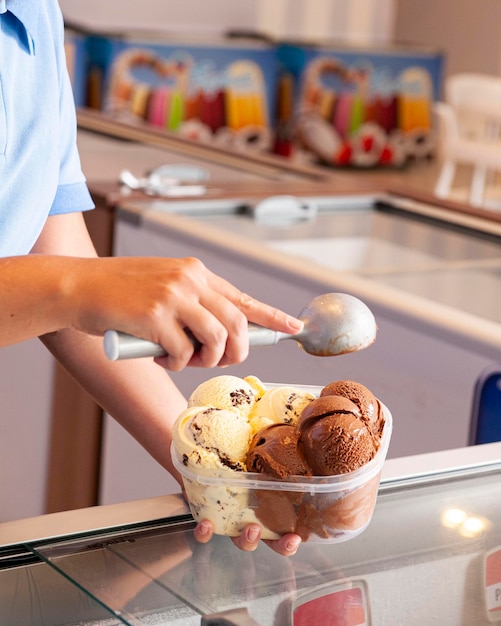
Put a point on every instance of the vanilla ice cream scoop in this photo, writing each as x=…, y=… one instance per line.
x=279, y=405
x=226, y=392
x=206, y=437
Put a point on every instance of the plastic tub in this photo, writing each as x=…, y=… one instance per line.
x=319, y=508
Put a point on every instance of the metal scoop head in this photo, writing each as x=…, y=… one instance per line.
x=336, y=323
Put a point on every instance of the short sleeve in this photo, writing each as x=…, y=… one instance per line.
x=72, y=193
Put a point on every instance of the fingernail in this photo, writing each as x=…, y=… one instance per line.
x=204, y=528
x=295, y=324
x=292, y=545
x=252, y=534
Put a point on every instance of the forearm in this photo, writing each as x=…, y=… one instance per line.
x=32, y=290
x=139, y=394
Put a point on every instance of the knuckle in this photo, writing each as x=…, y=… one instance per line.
x=276, y=314
x=175, y=364
x=154, y=313
x=245, y=301
x=208, y=360
x=241, y=324
x=178, y=358
x=220, y=335
x=193, y=265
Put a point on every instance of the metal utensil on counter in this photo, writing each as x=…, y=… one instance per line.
x=283, y=210
x=334, y=324
x=168, y=181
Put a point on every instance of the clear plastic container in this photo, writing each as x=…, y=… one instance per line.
x=319, y=508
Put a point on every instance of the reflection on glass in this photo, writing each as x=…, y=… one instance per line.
x=452, y=518
x=467, y=525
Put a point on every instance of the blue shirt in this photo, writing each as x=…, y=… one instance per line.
x=40, y=172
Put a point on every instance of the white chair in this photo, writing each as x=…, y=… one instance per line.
x=469, y=123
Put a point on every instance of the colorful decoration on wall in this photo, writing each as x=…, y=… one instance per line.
x=199, y=101
x=346, y=118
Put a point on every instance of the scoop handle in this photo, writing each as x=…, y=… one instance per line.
x=118, y=345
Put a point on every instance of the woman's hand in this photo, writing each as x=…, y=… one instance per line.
x=158, y=299
x=249, y=540
x=63, y=284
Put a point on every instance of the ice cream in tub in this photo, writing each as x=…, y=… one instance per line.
x=290, y=458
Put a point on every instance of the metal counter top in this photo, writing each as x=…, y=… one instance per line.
x=441, y=269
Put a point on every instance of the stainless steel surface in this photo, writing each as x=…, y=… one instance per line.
x=334, y=324
x=393, y=253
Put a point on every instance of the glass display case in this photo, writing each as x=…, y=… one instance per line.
x=432, y=554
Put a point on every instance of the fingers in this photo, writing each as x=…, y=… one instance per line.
x=203, y=531
x=212, y=310
x=218, y=331
x=249, y=540
x=159, y=298
x=268, y=316
x=235, y=309
x=192, y=303
x=254, y=310
x=287, y=545
x=222, y=331
x=201, y=342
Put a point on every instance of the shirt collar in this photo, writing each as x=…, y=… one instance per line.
x=27, y=13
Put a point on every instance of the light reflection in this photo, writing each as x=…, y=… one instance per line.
x=472, y=527
x=452, y=518
x=467, y=525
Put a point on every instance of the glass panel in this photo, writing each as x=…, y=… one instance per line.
x=164, y=576
x=444, y=263
x=131, y=587
x=36, y=595
x=472, y=289
x=366, y=240
x=422, y=559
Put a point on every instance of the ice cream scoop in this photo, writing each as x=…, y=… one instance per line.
x=333, y=438
x=371, y=411
x=279, y=405
x=273, y=451
x=212, y=438
x=334, y=323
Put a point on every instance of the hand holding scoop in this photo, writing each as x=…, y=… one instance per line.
x=334, y=323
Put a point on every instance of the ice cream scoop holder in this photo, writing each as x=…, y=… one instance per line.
x=334, y=323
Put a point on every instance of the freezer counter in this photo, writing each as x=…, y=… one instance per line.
x=431, y=276
x=432, y=554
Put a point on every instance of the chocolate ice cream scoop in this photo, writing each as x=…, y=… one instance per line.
x=323, y=407
x=333, y=438
x=273, y=451
x=337, y=444
x=369, y=406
